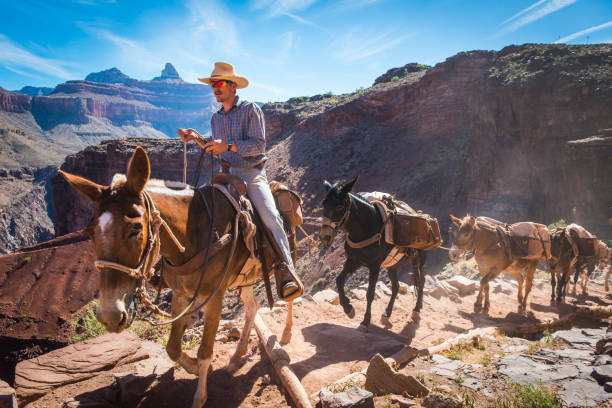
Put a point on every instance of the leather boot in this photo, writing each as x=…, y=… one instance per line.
x=286, y=283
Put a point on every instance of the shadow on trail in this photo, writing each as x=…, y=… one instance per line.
x=336, y=344
x=510, y=319
x=561, y=309
x=224, y=391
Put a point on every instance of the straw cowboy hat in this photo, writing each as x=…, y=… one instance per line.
x=223, y=70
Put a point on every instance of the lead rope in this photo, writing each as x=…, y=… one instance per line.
x=184, y=162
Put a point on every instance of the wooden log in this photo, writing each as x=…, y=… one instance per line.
x=408, y=353
x=280, y=361
x=592, y=312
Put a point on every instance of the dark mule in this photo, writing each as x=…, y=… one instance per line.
x=561, y=263
x=585, y=265
x=362, y=221
x=128, y=213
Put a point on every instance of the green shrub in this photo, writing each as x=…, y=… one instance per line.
x=395, y=79
x=529, y=396
x=87, y=321
x=559, y=223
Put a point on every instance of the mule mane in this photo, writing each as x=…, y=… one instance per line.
x=158, y=186
x=361, y=200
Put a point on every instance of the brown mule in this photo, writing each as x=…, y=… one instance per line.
x=120, y=228
x=480, y=236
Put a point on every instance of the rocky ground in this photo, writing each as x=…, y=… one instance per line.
x=327, y=346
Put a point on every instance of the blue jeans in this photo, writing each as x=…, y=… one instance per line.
x=261, y=196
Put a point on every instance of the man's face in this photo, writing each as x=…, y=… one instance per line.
x=223, y=90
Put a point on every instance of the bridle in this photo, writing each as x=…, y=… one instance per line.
x=144, y=271
x=335, y=225
x=464, y=246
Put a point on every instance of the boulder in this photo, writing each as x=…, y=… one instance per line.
x=327, y=295
x=580, y=392
x=501, y=287
x=464, y=285
x=84, y=402
x=383, y=288
x=602, y=373
x=158, y=368
x=358, y=294
x=7, y=396
x=74, y=363
x=402, y=402
x=382, y=379
x=437, y=400
x=354, y=397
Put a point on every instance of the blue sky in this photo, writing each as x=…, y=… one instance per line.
x=284, y=47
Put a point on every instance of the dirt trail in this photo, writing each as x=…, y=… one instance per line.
x=327, y=345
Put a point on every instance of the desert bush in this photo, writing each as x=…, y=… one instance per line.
x=529, y=396
x=86, y=324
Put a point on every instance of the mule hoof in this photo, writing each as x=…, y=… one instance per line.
x=384, y=320
x=190, y=364
x=477, y=308
x=233, y=365
x=286, y=337
x=363, y=328
x=351, y=312
x=415, y=316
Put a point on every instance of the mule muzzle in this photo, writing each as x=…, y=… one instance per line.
x=117, y=318
x=328, y=232
x=455, y=253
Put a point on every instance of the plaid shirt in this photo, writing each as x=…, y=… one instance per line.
x=244, y=125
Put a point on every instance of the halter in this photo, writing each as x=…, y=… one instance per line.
x=470, y=244
x=334, y=225
x=144, y=271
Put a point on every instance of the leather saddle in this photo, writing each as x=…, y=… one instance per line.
x=260, y=241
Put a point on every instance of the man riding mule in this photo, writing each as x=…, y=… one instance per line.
x=238, y=138
x=499, y=247
x=196, y=232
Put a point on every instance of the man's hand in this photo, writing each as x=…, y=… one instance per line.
x=215, y=147
x=187, y=135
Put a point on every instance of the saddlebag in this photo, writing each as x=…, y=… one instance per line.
x=288, y=202
x=529, y=240
x=583, y=242
x=420, y=231
x=587, y=246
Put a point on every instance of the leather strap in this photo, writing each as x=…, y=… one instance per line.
x=198, y=260
x=363, y=244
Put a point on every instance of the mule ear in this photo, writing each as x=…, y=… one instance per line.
x=138, y=171
x=349, y=186
x=91, y=190
x=327, y=185
x=471, y=220
x=456, y=220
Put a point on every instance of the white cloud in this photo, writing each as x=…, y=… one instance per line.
x=355, y=4
x=536, y=11
x=584, y=32
x=20, y=60
x=286, y=8
x=354, y=46
x=277, y=7
x=211, y=25
x=288, y=40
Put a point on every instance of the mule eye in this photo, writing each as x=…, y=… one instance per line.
x=135, y=230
